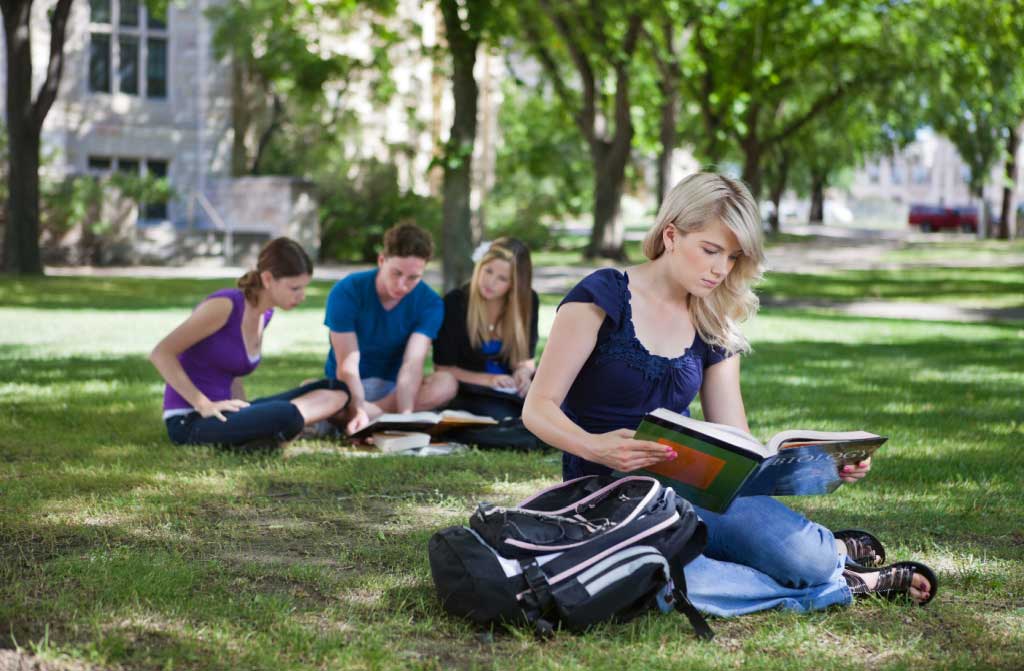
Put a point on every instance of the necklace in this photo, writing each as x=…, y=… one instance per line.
x=490, y=327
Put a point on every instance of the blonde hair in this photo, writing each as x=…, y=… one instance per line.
x=514, y=325
x=691, y=205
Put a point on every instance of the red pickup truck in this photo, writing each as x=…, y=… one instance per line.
x=930, y=218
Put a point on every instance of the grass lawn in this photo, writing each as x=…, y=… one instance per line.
x=119, y=549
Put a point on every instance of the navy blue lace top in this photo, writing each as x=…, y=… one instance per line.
x=621, y=381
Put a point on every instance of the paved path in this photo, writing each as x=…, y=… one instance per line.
x=831, y=249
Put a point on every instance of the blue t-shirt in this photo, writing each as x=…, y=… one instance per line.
x=354, y=307
x=621, y=381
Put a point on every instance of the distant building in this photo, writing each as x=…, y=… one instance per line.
x=145, y=94
x=928, y=172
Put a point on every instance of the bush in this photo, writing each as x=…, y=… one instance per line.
x=354, y=213
x=89, y=219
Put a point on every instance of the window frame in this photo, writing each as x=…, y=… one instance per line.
x=143, y=33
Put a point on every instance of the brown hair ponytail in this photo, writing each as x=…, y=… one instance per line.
x=283, y=257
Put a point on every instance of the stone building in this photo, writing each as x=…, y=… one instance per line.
x=145, y=94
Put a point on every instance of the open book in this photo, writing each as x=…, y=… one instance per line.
x=717, y=463
x=430, y=422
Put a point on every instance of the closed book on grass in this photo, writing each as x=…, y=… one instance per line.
x=716, y=463
x=397, y=441
x=430, y=422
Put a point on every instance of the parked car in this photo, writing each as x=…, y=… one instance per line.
x=933, y=218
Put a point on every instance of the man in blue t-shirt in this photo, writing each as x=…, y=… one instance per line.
x=382, y=322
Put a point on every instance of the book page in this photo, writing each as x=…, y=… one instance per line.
x=800, y=437
x=722, y=432
x=423, y=417
x=465, y=416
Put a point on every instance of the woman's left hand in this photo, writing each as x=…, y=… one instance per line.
x=854, y=472
x=523, y=377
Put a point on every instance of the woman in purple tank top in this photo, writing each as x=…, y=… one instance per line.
x=626, y=343
x=204, y=359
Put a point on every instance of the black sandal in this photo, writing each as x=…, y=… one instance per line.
x=861, y=547
x=894, y=581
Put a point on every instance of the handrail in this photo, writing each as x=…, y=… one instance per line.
x=218, y=223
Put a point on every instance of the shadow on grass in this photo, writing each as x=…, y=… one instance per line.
x=114, y=538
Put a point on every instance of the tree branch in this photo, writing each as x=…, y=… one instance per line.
x=623, y=122
x=48, y=91
x=547, y=61
x=588, y=112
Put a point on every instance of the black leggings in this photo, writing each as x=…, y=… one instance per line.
x=272, y=419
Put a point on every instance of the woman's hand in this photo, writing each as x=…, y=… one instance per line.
x=523, y=377
x=854, y=472
x=356, y=418
x=217, y=409
x=619, y=450
x=503, y=382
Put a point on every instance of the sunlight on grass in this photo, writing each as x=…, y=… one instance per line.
x=122, y=550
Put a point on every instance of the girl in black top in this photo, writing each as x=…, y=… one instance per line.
x=489, y=335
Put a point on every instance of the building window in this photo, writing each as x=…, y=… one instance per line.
x=157, y=168
x=156, y=69
x=874, y=173
x=128, y=68
x=895, y=173
x=100, y=164
x=99, y=63
x=99, y=11
x=130, y=14
x=124, y=34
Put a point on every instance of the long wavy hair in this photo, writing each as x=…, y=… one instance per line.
x=514, y=325
x=283, y=257
x=693, y=204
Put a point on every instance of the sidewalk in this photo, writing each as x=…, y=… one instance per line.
x=831, y=249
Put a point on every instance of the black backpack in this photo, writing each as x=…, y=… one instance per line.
x=508, y=434
x=585, y=551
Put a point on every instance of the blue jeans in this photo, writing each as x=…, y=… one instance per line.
x=271, y=418
x=760, y=555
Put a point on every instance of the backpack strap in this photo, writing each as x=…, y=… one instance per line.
x=697, y=621
x=683, y=604
x=537, y=600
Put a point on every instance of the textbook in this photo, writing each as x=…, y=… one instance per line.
x=398, y=441
x=716, y=463
x=430, y=422
x=508, y=393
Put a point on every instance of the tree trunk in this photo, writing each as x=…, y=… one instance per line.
x=241, y=117
x=24, y=125
x=606, y=237
x=667, y=136
x=777, y=189
x=21, y=234
x=1006, y=215
x=752, y=167
x=456, y=229
x=817, y=213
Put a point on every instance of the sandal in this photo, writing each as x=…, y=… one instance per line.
x=861, y=547
x=893, y=581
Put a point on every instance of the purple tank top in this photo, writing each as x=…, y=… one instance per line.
x=214, y=362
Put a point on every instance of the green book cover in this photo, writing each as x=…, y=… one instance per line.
x=706, y=472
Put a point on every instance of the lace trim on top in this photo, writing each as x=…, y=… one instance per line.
x=623, y=345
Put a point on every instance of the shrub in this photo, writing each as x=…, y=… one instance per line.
x=354, y=213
